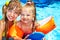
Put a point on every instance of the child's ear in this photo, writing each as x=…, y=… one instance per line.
x=33, y=17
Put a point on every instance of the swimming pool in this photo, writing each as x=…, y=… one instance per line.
x=43, y=12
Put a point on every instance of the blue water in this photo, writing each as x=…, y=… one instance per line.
x=51, y=8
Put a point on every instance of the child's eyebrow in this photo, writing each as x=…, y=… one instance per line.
x=11, y=8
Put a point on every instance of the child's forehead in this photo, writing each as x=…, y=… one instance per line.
x=27, y=9
x=14, y=5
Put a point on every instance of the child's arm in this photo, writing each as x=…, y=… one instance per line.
x=0, y=36
x=17, y=38
x=2, y=27
x=26, y=37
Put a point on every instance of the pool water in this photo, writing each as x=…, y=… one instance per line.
x=43, y=11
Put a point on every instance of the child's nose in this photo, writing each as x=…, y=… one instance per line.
x=25, y=16
x=12, y=14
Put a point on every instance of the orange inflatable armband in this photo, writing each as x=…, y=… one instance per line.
x=46, y=25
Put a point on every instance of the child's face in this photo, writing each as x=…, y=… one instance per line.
x=26, y=15
x=12, y=14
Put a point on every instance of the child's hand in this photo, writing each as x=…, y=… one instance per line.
x=26, y=37
x=17, y=38
x=2, y=26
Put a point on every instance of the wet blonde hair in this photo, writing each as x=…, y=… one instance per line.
x=31, y=7
x=12, y=4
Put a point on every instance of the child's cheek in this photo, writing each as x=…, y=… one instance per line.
x=16, y=16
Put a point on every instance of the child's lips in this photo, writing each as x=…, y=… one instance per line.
x=11, y=17
x=25, y=21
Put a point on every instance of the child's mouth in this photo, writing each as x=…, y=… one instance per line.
x=11, y=17
x=25, y=21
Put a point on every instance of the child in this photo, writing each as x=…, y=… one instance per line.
x=11, y=12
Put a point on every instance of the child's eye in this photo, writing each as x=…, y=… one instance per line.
x=28, y=15
x=9, y=10
x=16, y=12
x=22, y=14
